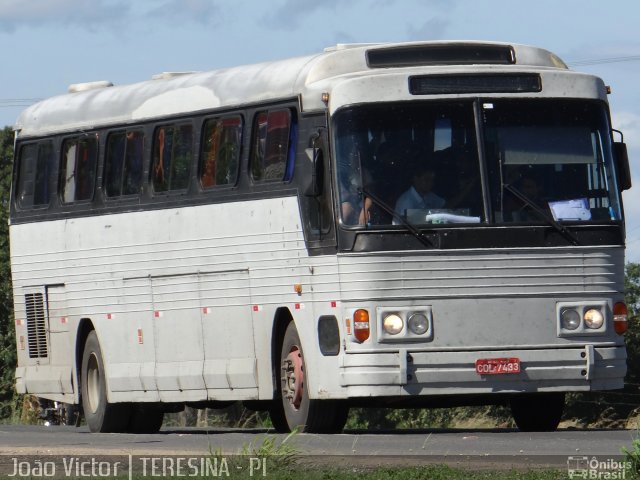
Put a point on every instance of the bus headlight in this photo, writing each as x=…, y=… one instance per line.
x=418, y=323
x=392, y=324
x=570, y=319
x=593, y=318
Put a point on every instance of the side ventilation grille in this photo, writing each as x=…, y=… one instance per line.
x=36, y=325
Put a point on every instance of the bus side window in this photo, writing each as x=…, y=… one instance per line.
x=172, y=154
x=273, y=146
x=320, y=206
x=36, y=165
x=78, y=169
x=123, y=163
x=220, y=158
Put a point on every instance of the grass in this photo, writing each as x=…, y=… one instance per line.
x=633, y=457
x=284, y=462
x=428, y=472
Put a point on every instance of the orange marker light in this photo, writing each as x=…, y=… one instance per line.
x=361, y=325
x=620, y=323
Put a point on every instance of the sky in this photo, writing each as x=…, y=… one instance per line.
x=50, y=44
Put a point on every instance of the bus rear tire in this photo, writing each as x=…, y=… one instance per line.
x=537, y=412
x=101, y=416
x=295, y=411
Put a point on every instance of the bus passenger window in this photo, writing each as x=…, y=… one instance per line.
x=36, y=165
x=273, y=146
x=172, y=154
x=78, y=169
x=123, y=163
x=221, y=142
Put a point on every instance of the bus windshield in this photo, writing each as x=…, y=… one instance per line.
x=419, y=163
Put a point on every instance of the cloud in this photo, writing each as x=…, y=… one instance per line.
x=288, y=15
x=205, y=12
x=629, y=124
x=88, y=14
x=432, y=29
x=95, y=14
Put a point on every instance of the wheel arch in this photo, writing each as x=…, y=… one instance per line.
x=281, y=321
x=84, y=328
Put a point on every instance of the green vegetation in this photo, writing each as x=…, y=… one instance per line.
x=8, y=400
x=426, y=472
x=633, y=456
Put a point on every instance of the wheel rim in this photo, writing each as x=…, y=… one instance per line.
x=93, y=383
x=293, y=377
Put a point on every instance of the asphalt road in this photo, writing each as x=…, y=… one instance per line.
x=503, y=448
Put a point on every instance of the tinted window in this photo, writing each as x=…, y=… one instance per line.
x=273, y=146
x=172, y=154
x=123, y=163
x=550, y=157
x=36, y=164
x=78, y=169
x=221, y=141
x=418, y=160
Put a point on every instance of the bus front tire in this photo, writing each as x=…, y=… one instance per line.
x=100, y=415
x=294, y=410
x=537, y=412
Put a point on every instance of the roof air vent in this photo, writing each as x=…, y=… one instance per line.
x=451, y=54
x=170, y=75
x=83, y=87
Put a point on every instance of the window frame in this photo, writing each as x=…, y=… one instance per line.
x=123, y=161
x=154, y=142
x=38, y=144
x=289, y=163
x=62, y=167
x=202, y=159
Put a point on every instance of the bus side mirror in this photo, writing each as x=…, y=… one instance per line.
x=315, y=185
x=622, y=164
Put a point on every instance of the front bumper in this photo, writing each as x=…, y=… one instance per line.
x=409, y=372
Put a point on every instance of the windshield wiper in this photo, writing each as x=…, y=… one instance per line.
x=541, y=213
x=412, y=228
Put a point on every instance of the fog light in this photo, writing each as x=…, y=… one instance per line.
x=392, y=324
x=593, y=318
x=570, y=319
x=418, y=323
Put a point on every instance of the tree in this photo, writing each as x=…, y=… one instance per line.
x=632, y=288
x=7, y=333
x=632, y=299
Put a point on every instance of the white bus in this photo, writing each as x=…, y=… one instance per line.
x=389, y=225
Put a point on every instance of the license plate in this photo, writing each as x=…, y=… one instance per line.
x=497, y=366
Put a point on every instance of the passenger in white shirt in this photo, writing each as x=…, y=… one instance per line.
x=420, y=194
